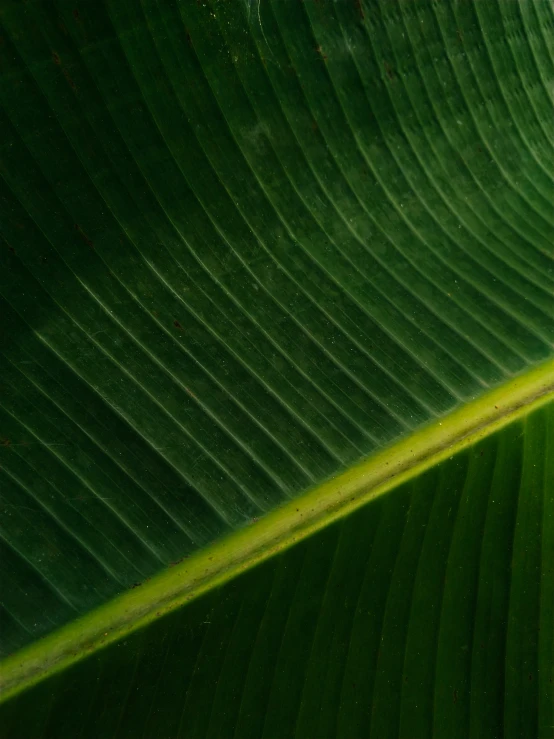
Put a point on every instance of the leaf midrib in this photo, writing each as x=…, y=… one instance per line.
x=277, y=531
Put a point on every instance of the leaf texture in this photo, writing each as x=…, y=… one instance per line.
x=426, y=613
x=243, y=246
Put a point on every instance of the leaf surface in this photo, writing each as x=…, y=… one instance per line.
x=416, y=615
x=243, y=247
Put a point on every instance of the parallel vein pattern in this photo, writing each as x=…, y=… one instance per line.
x=243, y=245
x=427, y=613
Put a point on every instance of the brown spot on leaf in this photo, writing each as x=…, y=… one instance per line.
x=455, y=696
x=321, y=54
x=69, y=80
x=56, y=59
x=83, y=235
x=389, y=70
x=177, y=325
x=359, y=8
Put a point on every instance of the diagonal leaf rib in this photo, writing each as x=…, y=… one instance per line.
x=278, y=530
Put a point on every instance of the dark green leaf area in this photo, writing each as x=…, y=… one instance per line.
x=426, y=613
x=244, y=244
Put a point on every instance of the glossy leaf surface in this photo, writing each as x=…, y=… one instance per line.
x=245, y=244
x=426, y=613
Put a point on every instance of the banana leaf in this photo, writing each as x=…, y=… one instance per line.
x=277, y=340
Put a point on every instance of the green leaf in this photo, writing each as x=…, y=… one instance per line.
x=253, y=255
x=416, y=615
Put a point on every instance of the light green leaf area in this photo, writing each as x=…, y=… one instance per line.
x=255, y=254
x=428, y=612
